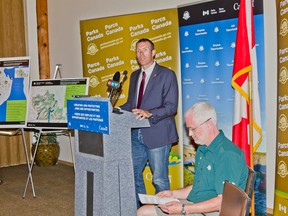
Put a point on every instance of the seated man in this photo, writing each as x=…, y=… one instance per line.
x=217, y=159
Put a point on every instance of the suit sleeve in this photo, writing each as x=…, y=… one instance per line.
x=169, y=105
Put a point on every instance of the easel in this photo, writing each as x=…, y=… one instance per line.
x=66, y=132
x=30, y=165
x=20, y=129
x=14, y=133
x=57, y=71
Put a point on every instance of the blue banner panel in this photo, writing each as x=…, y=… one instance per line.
x=88, y=115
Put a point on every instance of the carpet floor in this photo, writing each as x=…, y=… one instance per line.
x=54, y=189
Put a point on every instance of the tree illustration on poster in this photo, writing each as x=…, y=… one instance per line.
x=47, y=106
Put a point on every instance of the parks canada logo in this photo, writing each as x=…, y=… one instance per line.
x=284, y=27
x=282, y=169
x=92, y=49
x=282, y=125
x=93, y=82
x=133, y=45
x=283, y=75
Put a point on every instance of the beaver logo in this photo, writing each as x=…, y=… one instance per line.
x=284, y=27
x=283, y=76
x=93, y=82
x=92, y=49
x=282, y=125
x=282, y=169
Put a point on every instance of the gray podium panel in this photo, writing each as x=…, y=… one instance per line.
x=104, y=180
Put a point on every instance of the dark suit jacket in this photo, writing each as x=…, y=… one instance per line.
x=161, y=99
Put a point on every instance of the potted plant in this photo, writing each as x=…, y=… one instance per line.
x=48, y=149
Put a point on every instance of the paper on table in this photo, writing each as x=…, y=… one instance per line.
x=151, y=199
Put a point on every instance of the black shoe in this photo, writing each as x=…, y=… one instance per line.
x=1, y=182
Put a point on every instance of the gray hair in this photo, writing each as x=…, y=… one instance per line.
x=201, y=111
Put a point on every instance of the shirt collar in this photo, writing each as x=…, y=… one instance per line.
x=214, y=144
x=149, y=70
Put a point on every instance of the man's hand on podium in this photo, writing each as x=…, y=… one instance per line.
x=142, y=114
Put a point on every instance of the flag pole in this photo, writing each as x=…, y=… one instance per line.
x=251, y=134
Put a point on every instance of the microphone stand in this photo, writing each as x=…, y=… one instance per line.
x=114, y=95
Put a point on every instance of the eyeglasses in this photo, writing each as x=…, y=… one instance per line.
x=193, y=129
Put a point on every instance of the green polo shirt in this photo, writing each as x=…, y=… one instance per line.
x=221, y=160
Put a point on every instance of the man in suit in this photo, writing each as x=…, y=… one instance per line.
x=152, y=95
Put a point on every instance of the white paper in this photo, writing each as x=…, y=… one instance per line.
x=151, y=199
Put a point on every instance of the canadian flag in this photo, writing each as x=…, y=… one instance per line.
x=245, y=83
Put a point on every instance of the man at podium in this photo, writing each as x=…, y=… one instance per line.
x=153, y=95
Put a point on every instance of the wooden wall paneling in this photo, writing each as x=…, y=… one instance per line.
x=12, y=33
x=12, y=44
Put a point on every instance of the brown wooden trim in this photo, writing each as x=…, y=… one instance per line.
x=43, y=39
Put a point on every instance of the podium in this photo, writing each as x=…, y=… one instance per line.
x=104, y=178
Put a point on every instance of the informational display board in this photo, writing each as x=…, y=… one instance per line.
x=14, y=83
x=47, y=102
x=207, y=45
x=281, y=144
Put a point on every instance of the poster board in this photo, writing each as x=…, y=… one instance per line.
x=281, y=168
x=14, y=84
x=47, y=101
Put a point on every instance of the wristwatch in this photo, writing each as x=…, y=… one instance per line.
x=183, y=211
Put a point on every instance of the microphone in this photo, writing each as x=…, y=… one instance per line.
x=116, y=76
x=114, y=83
x=119, y=88
x=118, y=92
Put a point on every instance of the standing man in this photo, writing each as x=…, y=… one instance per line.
x=217, y=159
x=153, y=95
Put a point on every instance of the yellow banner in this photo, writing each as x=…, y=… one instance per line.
x=281, y=173
x=108, y=46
